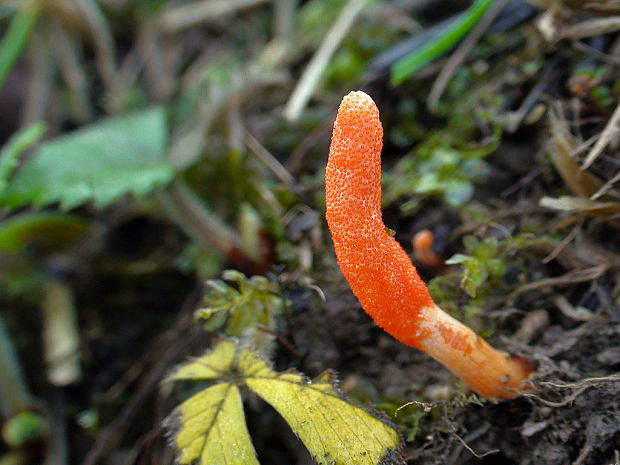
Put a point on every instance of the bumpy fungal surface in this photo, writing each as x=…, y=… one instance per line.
x=380, y=272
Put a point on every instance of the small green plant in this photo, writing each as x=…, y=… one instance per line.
x=442, y=165
x=210, y=427
x=483, y=264
x=246, y=309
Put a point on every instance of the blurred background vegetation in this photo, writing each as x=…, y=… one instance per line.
x=148, y=145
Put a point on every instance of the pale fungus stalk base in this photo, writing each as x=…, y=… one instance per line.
x=487, y=371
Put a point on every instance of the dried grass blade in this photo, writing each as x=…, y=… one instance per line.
x=592, y=27
x=195, y=13
x=562, y=146
x=311, y=75
x=611, y=132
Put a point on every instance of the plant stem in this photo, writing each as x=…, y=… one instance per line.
x=199, y=223
x=315, y=69
x=60, y=333
x=16, y=37
x=14, y=395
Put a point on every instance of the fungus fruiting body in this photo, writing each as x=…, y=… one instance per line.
x=380, y=272
x=423, y=249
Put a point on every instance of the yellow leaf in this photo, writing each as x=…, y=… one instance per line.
x=334, y=431
x=213, y=365
x=212, y=428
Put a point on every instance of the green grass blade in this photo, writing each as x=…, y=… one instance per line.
x=14, y=148
x=410, y=64
x=16, y=37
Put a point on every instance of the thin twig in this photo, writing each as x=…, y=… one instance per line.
x=41, y=76
x=516, y=117
x=605, y=188
x=194, y=13
x=568, y=309
x=198, y=222
x=563, y=243
x=584, y=453
x=580, y=387
x=280, y=337
x=307, y=143
x=72, y=70
x=550, y=403
x=460, y=54
x=576, y=276
x=267, y=158
x=104, y=41
x=311, y=75
x=586, y=381
x=474, y=453
x=284, y=18
x=583, y=146
x=524, y=181
x=611, y=6
x=592, y=27
x=426, y=406
x=610, y=132
x=609, y=58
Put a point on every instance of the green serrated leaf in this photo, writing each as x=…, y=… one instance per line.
x=213, y=428
x=100, y=163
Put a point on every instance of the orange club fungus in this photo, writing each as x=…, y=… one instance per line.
x=380, y=272
x=423, y=249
